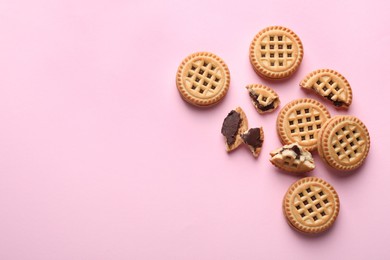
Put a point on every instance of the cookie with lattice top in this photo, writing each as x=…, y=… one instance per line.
x=276, y=52
x=344, y=142
x=300, y=121
x=330, y=85
x=234, y=125
x=263, y=98
x=311, y=205
x=292, y=158
x=203, y=79
x=254, y=138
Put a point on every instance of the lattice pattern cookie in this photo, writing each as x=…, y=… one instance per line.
x=234, y=125
x=203, y=79
x=331, y=85
x=276, y=52
x=292, y=158
x=263, y=98
x=311, y=205
x=300, y=121
x=344, y=143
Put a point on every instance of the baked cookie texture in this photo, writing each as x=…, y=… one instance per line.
x=203, y=79
x=344, y=143
x=300, y=121
x=263, y=98
x=330, y=85
x=254, y=138
x=276, y=52
x=234, y=125
x=292, y=158
x=311, y=205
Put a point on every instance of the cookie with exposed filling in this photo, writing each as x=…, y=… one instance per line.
x=330, y=85
x=292, y=158
x=234, y=125
x=263, y=98
x=254, y=138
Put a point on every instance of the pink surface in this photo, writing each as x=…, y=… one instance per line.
x=101, y=159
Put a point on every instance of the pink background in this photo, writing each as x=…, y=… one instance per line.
x=101, y=159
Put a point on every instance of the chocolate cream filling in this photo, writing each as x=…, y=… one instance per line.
x=254, y=98
x=252, y=138
x=230, y=127
x=337, y=103
x=295, y=149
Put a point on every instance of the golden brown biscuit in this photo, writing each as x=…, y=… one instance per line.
x=311, y=205
x=234, y=125
x=254, y=138
x=331, y=85
x=300, y=121
x=203, y=79
x=344, y=143
x=276, y=52
x=264, y=99
x=292, y=158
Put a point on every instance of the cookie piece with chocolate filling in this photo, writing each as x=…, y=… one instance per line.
x=263, y=98
x=234, y=124
x=254, y=138
x=331, y=85
x=292, y=158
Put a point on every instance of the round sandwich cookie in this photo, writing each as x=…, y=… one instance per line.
x=330, y=85
x=300, y=121
x=263, y=98
x=311, y=205
x=344, y=142
x=276, y=52
x=203, y=79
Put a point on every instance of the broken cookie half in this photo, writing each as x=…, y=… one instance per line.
x=254, y=138
x=234, y=124
x=331, y=85
x=263, y=98
x=292, y=158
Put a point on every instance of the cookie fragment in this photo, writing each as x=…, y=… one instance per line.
x=300, y=121
x=276, y=52
x=292, y=158
x=254, y=138
x=311, y=205
x=234, y=124
x=344, y=143
x=203, y=79
x=330, y=85
x=263, y=98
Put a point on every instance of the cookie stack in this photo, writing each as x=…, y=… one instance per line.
x=311, y=205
